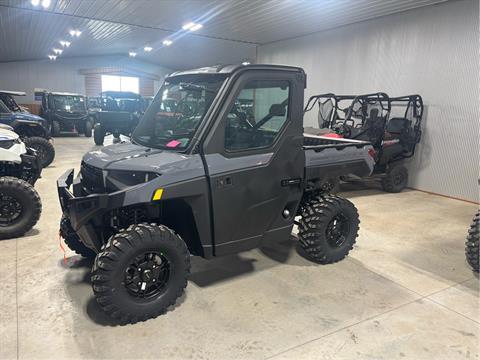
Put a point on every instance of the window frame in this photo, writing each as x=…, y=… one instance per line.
x=278, y=134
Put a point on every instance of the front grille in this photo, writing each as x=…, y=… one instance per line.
x=92, y=179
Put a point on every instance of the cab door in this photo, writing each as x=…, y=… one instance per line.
x=255, y=160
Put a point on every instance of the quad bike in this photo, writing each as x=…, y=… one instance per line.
x=66, y=113
x=209, y=176
x=392, y=125
x=20, y=205
x=471, y=245
x=33, y=129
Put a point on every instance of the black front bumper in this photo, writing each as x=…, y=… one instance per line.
x=85, y=212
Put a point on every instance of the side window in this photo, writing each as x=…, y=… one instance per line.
x=257, y=115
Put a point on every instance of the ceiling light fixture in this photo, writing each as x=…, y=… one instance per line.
x=167, y=42
x=196, y=27
x=246, y=63
x=132, y=53
x=58, y=51
x=52, y=57
x=46, y=3
x=65, y=43
x=35, y=2
x=191, y=26
x=75, y=33
x=147, y=48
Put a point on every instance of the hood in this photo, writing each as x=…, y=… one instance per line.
x=134, y=157
x=28, y=117
x=7, y=135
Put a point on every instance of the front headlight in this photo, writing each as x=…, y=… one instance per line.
x=7, y=144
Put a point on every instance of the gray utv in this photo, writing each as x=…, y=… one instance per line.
x=218, y=164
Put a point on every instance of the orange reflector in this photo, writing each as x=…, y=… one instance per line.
x=157, y=195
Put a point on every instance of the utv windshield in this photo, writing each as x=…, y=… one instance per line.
x=177, y=111
x=10, y=102
x=69, y=103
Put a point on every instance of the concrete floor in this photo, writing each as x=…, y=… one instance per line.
x=404, y=292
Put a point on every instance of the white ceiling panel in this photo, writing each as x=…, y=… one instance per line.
x=231, y=31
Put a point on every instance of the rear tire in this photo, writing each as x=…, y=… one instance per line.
x=471, y=245
x=20, y=207
x=44, y=148
x=55, y=128
x=140, y=272
x=98, y=134
x=72, y=240
x=396, y=179
x=88, y=128
x=328, y=228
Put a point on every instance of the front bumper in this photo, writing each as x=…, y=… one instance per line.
x=85, y=211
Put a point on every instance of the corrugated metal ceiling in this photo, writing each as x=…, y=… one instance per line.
x=232, y=29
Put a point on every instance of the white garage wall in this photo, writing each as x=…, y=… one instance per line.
x=63, y=74
x=433, y=51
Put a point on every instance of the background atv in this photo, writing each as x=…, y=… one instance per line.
x=20, y=205
x=218, y=165
x=392, y=125
x=66, y=113
x=32, y=129
x=116, y=112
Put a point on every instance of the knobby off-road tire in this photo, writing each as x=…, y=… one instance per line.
x=471, y=245
x=88, y=128
x=396, y=179
x=72, y=240
x=98, y=134
x=44, y=148
x=55, y=128
x=124, y=272
x=328, y=228
x=20, y=207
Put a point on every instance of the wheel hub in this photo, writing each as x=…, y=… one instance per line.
x=337, y=230
x=147, y=274
x=10, y=210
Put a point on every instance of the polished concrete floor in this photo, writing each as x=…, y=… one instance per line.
x=404, y=292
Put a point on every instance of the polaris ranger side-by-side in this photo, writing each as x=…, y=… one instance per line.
x=66, y=113
x=33, y=129
x=391, y=124
x=218, y=164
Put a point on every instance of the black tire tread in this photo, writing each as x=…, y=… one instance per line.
x=36, y=204
x=387, y=182
x=37, y=140
x=314, y=213
x=119, y=243
x=471, y=245
x=73, y=242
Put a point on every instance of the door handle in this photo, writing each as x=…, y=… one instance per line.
x=291, y=182
x=224, y=182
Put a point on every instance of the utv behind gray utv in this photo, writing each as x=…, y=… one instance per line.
x=218, y=164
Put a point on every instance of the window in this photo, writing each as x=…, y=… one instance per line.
x=120, y=83
x=257, y=115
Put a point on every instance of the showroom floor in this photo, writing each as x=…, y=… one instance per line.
x=405, y=292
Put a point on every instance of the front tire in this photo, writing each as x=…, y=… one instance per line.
x=328, y=228
x=98, y=134
x=20, y=207
x=471, y=245
x=396, y=179
x=44, y=148
x=140, y=272
x=55, y=128
x=88, y=128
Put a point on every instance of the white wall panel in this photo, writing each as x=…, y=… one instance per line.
x=433, y=51
x=63, y=74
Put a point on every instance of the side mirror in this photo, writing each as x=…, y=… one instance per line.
x=277, y=110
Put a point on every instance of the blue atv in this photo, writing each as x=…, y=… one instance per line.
x=33, y=129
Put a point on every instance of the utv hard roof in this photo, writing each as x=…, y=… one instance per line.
x=65, y=94
x=230, y=69
x=14, y=93
x=120, y=94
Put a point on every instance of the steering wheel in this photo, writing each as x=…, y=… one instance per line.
x=342, y=129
